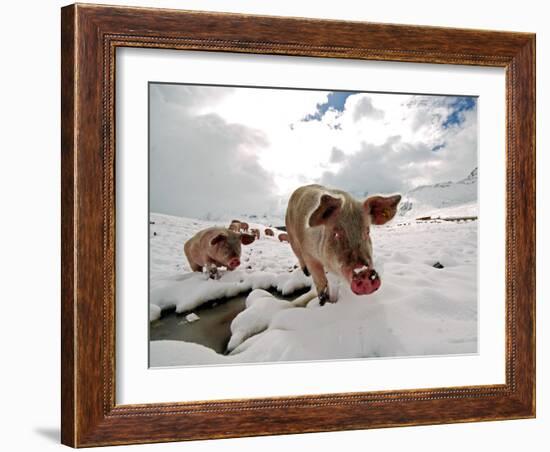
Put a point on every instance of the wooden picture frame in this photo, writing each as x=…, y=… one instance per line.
x=90, y=35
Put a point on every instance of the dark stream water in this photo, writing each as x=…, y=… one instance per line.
x=213, y=330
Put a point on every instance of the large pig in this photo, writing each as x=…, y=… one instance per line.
x=215, y=247
x=329, y=230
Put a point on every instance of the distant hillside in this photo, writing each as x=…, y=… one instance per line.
x=267, y=219
x=442, y=199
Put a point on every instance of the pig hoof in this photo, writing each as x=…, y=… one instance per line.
x=323, y=297
x=306, y=271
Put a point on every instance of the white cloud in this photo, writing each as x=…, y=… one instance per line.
x=337, y=155
x=247, y=149
x=410, y=146
x=200, y=165
x=365, y=109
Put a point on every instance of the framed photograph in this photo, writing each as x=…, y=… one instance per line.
x=282, y=225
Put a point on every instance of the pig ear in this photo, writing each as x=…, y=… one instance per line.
x=329, y=208
x=247, y=239
x=218, y=239
x=381, y=209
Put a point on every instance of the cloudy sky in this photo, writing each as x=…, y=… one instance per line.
x=218, y=152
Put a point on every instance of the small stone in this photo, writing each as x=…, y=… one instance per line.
x=192, y=317
x=438, y=265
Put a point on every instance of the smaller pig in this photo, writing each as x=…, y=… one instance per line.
x=244, y=226
x=235, y=226
x=255, y=232
x=269, y=232
x=215, y=247
x=283, y=237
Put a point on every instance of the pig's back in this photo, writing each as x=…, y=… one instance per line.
x=198, y=246
x=300, y=206
x=304, y=201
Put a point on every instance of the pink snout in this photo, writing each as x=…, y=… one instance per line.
x=366, y=282
x=233, y=263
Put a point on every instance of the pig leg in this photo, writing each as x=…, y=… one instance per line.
x=319, y=279
x=212, y=270
x=298, y=252
x=194, y=267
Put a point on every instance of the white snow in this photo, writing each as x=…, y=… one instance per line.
x=154, y=312
x=261, y=307
x=170, y=353
x=419, y=309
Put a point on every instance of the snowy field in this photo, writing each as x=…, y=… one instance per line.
x=264, y=264
x=419, y=309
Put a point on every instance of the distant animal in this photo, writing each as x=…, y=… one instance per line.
x=244, y=226
x=283, y=237
x=329, y=230
x=269, y=232
x=255, y=232
x=235, y=226
x=215, y=247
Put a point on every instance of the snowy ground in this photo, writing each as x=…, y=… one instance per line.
x=419, y=310
x=266, y=263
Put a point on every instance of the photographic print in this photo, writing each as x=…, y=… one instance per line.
x=274, y=225
x=300, y=225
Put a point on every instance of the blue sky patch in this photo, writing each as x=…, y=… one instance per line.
x=459, y=105
x=335, y=101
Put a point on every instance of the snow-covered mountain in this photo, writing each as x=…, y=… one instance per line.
x=445, y=199
x=268, y=219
